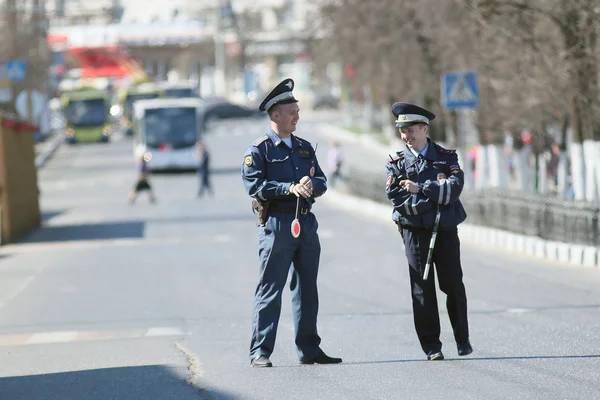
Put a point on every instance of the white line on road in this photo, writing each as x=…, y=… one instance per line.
x=94, y=243
x=86, y=336
x=518, y=310
x=52, y=337
x=164, y=331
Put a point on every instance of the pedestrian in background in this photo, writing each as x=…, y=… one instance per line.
x=203, y=157
x=334, y=163
x=143, y=181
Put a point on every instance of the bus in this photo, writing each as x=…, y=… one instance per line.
x=166, y=132
x=129, y=96
x=87, y=115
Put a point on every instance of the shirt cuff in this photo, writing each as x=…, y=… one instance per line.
x=285, y=188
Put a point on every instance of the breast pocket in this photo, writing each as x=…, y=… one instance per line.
x=279, y=168
x=305, y=165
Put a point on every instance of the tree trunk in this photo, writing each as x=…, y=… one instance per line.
x=580, y=46
x=498, y=171
x=590, y=154
x=562, y=184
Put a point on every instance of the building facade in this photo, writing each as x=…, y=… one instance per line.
x=236, y=48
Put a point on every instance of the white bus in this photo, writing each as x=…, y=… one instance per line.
x=166, y=132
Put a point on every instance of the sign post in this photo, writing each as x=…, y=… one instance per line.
x=460, y=92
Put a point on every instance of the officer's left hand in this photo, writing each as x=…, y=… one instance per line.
x=409, y=186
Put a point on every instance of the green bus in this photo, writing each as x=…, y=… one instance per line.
x=144, y=91
x=87, y=113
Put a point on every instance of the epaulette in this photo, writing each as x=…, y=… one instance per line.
x=303, y=140
x=446, y=151
x=260, y=140
x=399, y=156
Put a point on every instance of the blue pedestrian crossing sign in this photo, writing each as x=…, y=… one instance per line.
x=17, y=70
x=460, y=90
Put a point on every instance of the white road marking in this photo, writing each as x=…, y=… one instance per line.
x=52, y=337
x=164, y=331
x=86, y=336
x=518, y=310
x=123, y=242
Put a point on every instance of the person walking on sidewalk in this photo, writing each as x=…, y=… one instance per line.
x=282, y=175
x=423, y=181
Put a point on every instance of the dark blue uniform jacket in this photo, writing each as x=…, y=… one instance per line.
x=419, y=210
x=270, y=167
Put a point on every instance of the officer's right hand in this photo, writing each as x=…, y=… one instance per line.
x=301, y=190
x=409, y=186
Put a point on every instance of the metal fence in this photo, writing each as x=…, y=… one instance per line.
x=532, y=215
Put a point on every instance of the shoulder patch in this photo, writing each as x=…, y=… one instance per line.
x=260, y=140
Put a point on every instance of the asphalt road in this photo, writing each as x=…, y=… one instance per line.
x=112, y=301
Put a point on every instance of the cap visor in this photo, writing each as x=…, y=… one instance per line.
x=406, y=124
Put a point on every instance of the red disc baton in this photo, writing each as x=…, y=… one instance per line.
x=296, y=223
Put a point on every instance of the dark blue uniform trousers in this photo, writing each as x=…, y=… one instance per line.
x=446, y=257
x=278, y=249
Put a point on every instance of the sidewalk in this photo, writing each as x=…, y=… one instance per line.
x=45, y=149
x=364, y=153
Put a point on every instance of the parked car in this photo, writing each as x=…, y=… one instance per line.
x=219, y=110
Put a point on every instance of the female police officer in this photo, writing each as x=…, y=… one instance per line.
x=422, y=181
x=281, y=172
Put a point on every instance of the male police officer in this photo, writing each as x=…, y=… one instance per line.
x=421, y=181
x=282, y=175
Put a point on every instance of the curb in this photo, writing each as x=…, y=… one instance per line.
x=49, y=150
x=585, y=256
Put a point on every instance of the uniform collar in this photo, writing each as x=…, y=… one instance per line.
x=423, y=152
x=430, y=153
x=277, y=140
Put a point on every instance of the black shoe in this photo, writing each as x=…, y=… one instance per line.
x=261, y=362
x=435, y=356
x=464, y=349
x=321, y=358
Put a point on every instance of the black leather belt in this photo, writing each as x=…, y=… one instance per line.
x=275, y=207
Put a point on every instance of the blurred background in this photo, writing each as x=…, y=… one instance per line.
x=514, y=85
x=531, y=99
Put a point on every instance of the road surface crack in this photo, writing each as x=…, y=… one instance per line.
x=193, y=366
